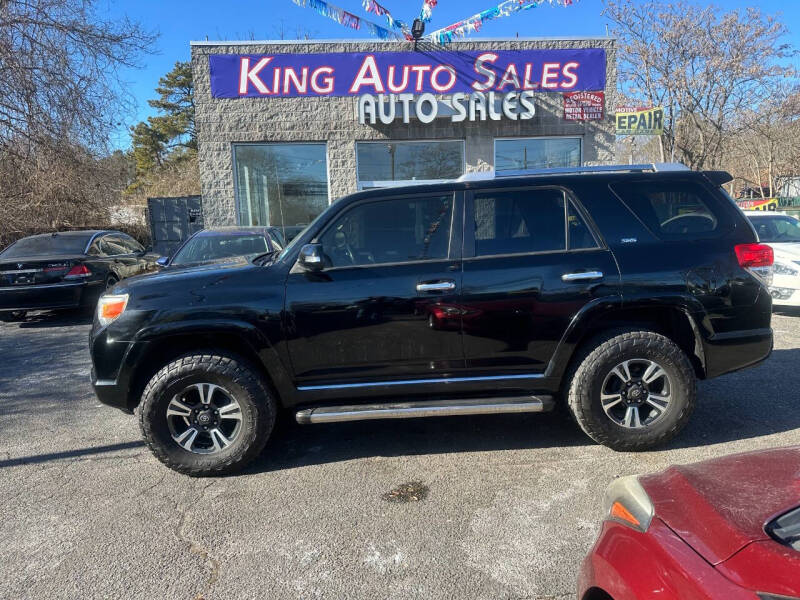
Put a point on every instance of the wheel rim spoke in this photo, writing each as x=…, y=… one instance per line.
x=186, y=439
x=653, y=373
x=632, y=417
x=177, y=408
x=219, y=440
x=610, y=400
x=658, y=402
x=206, y=391
x=230, y=411
x=623, y=371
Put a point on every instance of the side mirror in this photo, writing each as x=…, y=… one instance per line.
x=162, y=261
x=311, y=257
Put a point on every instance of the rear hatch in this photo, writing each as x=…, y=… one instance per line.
x=720, y=506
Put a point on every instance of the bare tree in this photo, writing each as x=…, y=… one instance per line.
x=59, y=72
x=60, y=98
x=702, y=64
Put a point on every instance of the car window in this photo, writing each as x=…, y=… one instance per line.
x=776, y=229
x=131, y=244
x=42, y=245
x=390, y=231
x=520, y=221
x=112, y=245
x=202, y=248
x=672, y=209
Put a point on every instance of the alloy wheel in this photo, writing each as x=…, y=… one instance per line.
x=204, y=418
x=636, y=393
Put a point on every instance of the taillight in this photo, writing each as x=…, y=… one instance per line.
x=77, y=272
x=754, y=255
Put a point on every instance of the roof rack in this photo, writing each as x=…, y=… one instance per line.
x=641, y=168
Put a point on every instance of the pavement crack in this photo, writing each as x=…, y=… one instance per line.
x=195, y=547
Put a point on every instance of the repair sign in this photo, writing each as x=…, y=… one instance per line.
x=584, y=106
x=646, y=121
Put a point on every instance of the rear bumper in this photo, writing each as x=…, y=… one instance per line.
x=734, y=350
x=47, y=296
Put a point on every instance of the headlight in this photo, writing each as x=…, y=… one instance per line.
x=782, y=269
x=109, y=308
x=626, y=502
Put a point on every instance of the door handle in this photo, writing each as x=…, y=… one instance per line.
x=584, y=276
x=436, y=286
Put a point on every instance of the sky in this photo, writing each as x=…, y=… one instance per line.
x=180, y=21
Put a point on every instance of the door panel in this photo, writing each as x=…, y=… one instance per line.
x=531, y=263
x=383, y=306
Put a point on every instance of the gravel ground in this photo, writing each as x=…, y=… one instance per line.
x=506, y=506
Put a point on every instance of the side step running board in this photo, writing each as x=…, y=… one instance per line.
x=435, y=408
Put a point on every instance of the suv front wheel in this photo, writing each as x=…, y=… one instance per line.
x=206, y=414
x=633, y=391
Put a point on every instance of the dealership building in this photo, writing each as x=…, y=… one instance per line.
x=285, y=128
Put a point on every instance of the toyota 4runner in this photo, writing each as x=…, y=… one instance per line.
x=610, y=290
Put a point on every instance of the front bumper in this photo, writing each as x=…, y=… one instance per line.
x=111, y=392
x=47, y=296
x=114, y=363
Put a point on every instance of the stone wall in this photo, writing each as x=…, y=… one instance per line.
x=222, y=122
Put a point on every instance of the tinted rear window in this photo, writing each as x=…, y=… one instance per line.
x=57, y=245
x=673, y=210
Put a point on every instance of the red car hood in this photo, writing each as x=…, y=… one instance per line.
x=719, y=506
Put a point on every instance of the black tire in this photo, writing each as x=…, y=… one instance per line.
x=111, y=281
x=241, y=380
x=594, y=366
x=13, y=316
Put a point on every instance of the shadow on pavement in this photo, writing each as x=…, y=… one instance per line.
x=294, y=445
x=56, y=319
x=41, y=458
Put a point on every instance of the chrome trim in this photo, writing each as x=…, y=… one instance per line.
x=42, y=286
x=439, y=286
x=22, y=271
x=436, y=408
x=584, y=276
x=344, y=386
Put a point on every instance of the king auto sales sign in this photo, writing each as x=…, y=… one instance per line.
x=584, y=106
x=438, y=72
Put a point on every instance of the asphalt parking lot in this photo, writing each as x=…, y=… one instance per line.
x=509, y=507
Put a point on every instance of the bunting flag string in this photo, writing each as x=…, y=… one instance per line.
x=474, y=23
x=371, y=6
x=427, y=9
x=341, y=16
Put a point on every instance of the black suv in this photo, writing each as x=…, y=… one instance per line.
x=608, y=289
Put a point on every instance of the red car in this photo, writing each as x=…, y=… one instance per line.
x=726, y=529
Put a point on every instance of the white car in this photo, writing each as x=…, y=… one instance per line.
x=782, y=232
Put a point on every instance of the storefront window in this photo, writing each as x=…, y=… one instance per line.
x=536, y=153
x=282, y=185
x=381, y=163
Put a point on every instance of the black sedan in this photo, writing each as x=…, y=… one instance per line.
x=67, y=270
x=223, y=243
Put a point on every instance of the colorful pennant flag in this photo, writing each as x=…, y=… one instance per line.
x=474, y=23
x=371, y=6
x=347, y=19
x=427, y=9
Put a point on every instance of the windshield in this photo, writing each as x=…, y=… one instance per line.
x=204, y=248
x=776, y=229
x=49, y=245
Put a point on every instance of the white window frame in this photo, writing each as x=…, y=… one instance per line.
x=237, y=199
x=536, y=137
x=362, y=185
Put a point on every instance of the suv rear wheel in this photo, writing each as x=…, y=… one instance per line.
x=633, y=390
x=206, y=414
